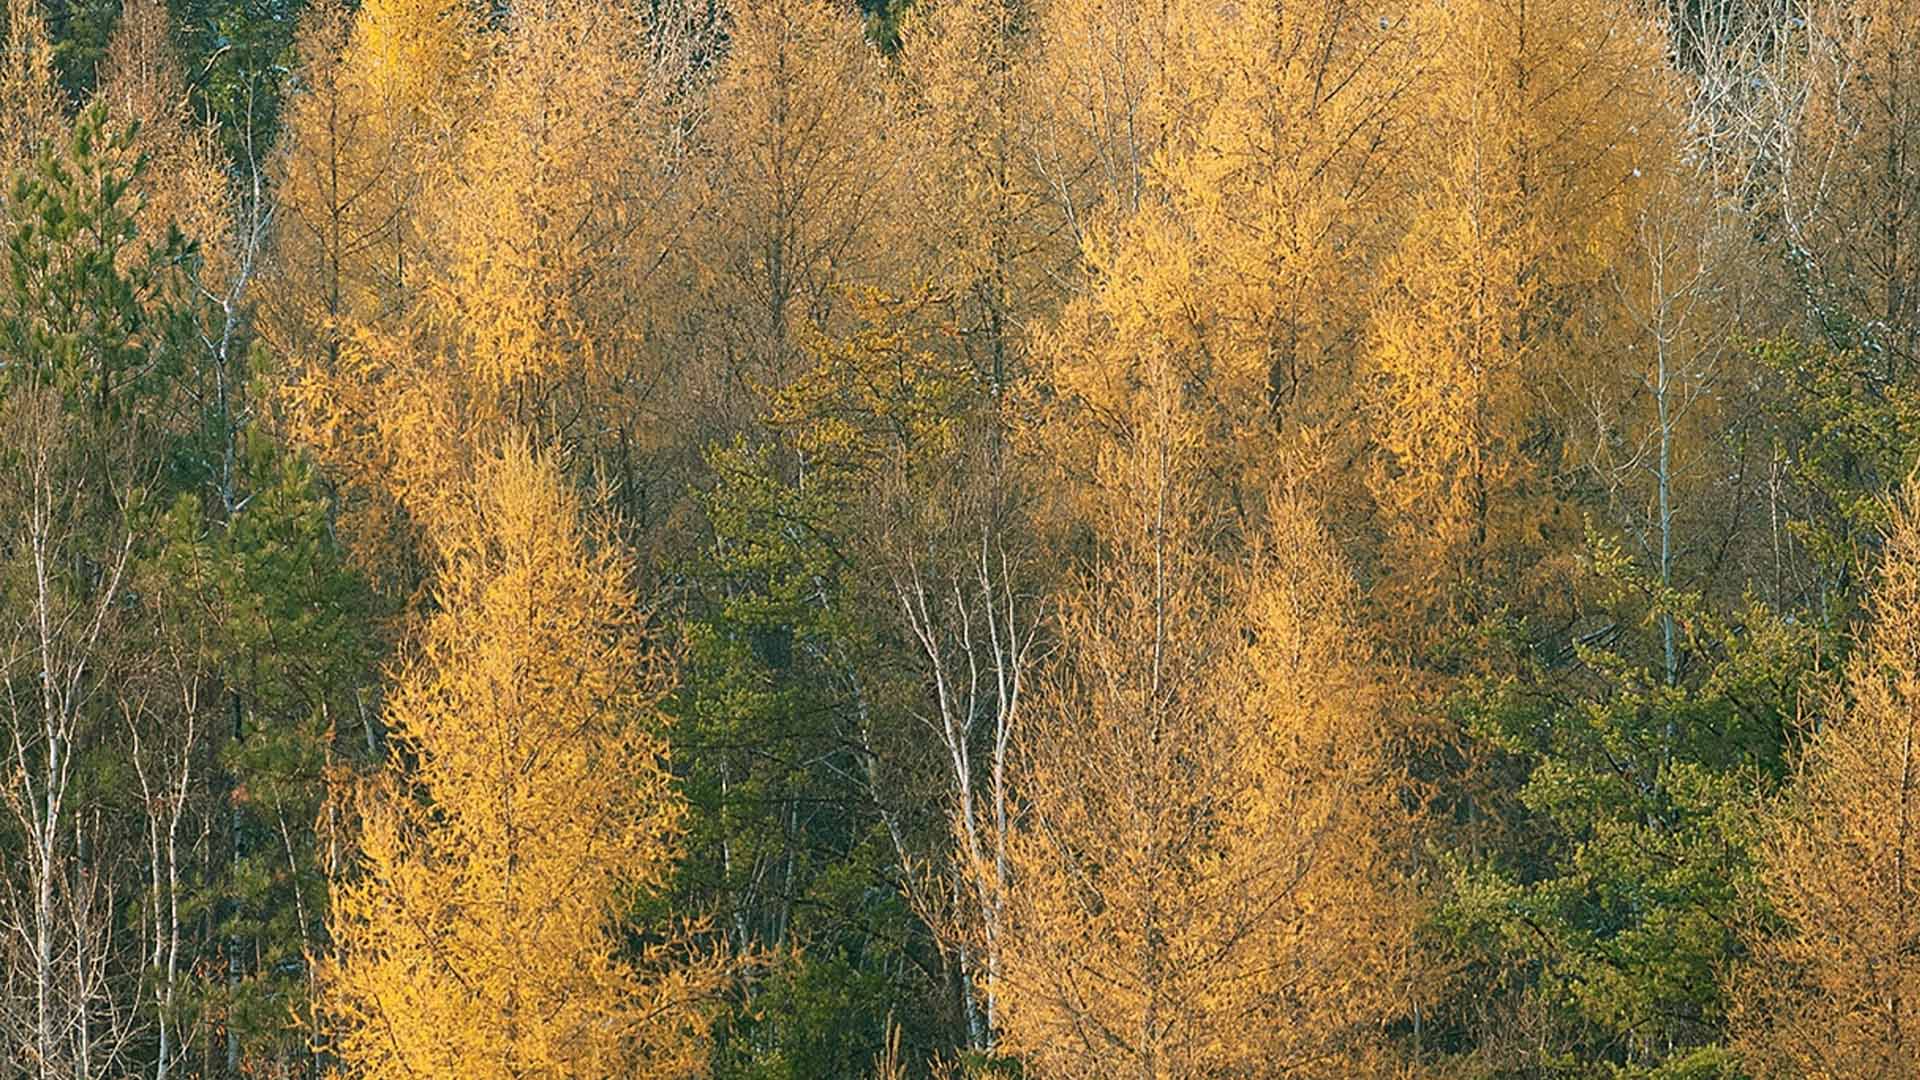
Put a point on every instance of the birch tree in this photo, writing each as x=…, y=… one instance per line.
x=91, y=326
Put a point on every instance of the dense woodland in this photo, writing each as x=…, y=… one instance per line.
x=960, y=539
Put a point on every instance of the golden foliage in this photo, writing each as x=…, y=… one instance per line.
x=141, y=83
x=29, y=102
x=350, y=254
x=338, y=203
x=1101, y=106
x=396, y=422
x=450, y=275
x=1835, y=993
x=1200, y=880
x=383, y=92
x=1247, y=264
x=1849, y=190
x=469, y=273
x=546, y=211
x=992, y=235
x=479, y=937
x=801, y=169
x=1540, y=120
x=1284, y=185
x=416, y=57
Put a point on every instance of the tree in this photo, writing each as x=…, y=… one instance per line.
x=27, y=92
x=241, y=52
x=170, y=719
x=1201, y=875
x=92, y=326
x=804, y=810
x=383, y=94
x=477, y=936
x=142, y=86
x=1654, y=448
x=1105, y=99
x=542, y=206
x=562, y=221
x=1141, y=902
x=1544, y=118
x=379, y=90
x=808, y=708
x=1638, y=742
x=1265, y=215
x=801, y=173
x=267, y=643
x=532, y=229
x=994, y=243
x=905, y=438
x=1846, y=189
x=1593, y=939
x=1832, y=988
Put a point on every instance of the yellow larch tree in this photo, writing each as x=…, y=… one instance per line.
x=564, y=223
x=1539, y=121
x=1287, y=184
x=541, y=233
x=1200, y=880
x=1833, y=990
x=141, y=83
x=536, y=224
x=29, y=101
x=338, y=202
x=996, y=247
x=383, y=95
x=1849, y=180
x=380, y=92
x=801, y=172
x=542, y=219
x=1106, y=94
x=416, y=56
x=1248, y=261
x=479, y=935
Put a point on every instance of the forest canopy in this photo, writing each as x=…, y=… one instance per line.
x=960, y=539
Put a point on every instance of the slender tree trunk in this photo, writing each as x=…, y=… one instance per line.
x=234, y=970
x=54, y=787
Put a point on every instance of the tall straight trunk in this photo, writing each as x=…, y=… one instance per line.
x=233, y=943
x=53, y=729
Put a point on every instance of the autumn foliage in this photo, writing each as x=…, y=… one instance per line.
x=477, y=936
x=958, y=538
x=1203, y=878
x=1830, y=992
